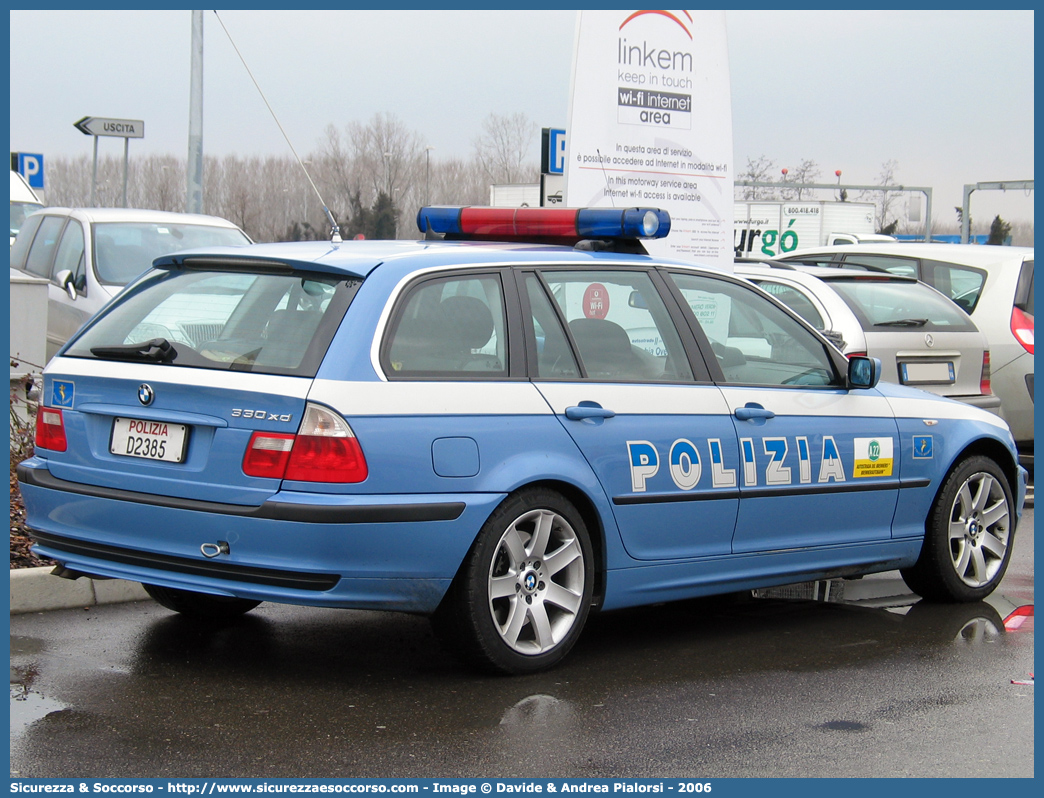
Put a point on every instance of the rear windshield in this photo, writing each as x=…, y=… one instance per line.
x=890, y=305
x=229, y=320
x=123, y=250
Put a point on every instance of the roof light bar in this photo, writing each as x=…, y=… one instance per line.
x=543, y=223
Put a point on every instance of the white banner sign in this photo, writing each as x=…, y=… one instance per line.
x=650, y=124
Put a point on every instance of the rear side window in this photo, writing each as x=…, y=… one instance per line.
x=1024, y=289
x=41, y=254
x=619, y=325
x=20, y=248
x=237, y=321
x=449, y=328
x=882, y=305
x=962, y=284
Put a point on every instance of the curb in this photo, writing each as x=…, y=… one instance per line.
x=36, y=590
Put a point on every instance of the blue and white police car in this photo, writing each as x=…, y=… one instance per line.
x=513, y=421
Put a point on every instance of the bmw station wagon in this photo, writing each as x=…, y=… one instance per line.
x=516, y=421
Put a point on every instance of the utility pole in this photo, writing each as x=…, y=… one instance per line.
x=194, y=170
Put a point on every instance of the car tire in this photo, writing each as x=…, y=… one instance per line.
x=202, y=606
x=523, y=594
x=968, y=536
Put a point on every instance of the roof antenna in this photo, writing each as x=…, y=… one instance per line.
x=335, y=231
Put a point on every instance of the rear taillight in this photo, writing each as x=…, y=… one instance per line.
x=851, y=355
x=267, y=455
x=984, y=380
x=1022, y=328
x=50, y=429
x=324, y=450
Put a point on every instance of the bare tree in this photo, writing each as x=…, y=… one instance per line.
x=886, y=217
x=380, y=157
x=503, y=148
x=807, y=172
x=761, y=170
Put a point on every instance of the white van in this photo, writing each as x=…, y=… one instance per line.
x=23, y=202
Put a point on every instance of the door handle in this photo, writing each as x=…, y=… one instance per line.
x=588, y=410
x=753, y=411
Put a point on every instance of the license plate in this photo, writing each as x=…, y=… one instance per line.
x=926, y=373
x=153, y=440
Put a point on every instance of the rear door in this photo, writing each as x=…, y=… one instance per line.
x=606, y=352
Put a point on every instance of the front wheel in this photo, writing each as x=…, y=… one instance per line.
x=522, y=597
x=968, y=535
x=199, y=605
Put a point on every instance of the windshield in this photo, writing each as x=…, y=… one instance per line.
x=882, y=304
x=123, y=250
x=234, y=320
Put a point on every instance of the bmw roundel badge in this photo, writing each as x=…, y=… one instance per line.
x=145, y=394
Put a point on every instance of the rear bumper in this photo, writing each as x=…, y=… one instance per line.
x=361, y=552
x=986, y=401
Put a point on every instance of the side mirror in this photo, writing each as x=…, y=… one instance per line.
x=864, y=372
x=64, y=278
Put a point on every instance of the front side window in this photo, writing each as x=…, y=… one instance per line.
x=123, y=250
x=619, y=324
x=449, y=328
x=266, y=323
x=70, y=255
x=754, y=341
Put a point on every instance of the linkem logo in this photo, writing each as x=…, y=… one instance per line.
x=669, y=15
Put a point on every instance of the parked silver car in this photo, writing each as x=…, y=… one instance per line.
x=89, y=254
x=922, y=339
x=993, y=284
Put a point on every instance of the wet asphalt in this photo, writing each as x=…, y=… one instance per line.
x=875, y=684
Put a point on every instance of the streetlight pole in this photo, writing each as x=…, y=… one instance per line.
x=194, y=170
x=427, y=174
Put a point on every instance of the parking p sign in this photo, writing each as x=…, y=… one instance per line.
x=30, y=166
x=552, y=151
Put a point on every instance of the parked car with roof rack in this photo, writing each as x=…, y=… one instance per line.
x=505, y=430
x=89, y=254
x=994, y=285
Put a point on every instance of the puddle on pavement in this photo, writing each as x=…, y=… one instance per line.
x=27, y=707
x=27, y=704
x=968, y=623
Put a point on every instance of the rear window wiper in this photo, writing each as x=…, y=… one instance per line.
x=902, y=323
x=159, y=350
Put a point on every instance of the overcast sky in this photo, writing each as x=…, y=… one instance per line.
x=948, y=95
